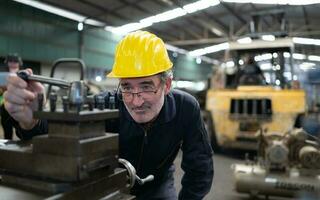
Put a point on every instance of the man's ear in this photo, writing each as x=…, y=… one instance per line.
x=168, y=85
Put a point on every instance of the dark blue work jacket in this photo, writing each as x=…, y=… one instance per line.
x=152, y=150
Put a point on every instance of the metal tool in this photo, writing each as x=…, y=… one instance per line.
x=27, y=77
x=42, y=79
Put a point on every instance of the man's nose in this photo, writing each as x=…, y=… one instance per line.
x=137, y=100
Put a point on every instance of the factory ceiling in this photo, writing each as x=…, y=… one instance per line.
x=220, y=22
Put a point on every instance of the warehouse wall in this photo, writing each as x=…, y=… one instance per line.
x=40, y=36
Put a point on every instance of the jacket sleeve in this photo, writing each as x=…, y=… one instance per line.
x=197, y=161
x=39, y=129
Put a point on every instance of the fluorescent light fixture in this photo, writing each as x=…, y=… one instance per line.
x=307, y=66
x=190, y=85
x=200, y=5
x=299, y=56
x=216, y=31
x=275, y=55
x=245, y=40
x=268, y=37
x=288, y=75
x=306, y=41
x=314, y=58
x=262, y=57
x=168, y=15
x=286, y=54
x=94, y=22
x=60, y=12
x=198, y=61
x=98, y=78
x=80, y=26
x=280, y=2
x=210, y=49
x=230, y=64
x=176, y=49
x=266, y=66
x=122, y=30
x=165, y=16
x=175, y=54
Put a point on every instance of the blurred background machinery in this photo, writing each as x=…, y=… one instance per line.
x=287, y=165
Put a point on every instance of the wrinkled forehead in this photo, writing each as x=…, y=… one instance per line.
x=149, y=80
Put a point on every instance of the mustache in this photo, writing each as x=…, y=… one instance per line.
x=143, y=106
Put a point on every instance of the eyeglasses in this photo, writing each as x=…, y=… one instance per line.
x=145, y=92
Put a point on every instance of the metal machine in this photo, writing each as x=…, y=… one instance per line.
x=76, y=159
x=237, y=111
x=287, y=165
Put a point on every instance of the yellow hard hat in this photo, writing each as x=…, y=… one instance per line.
x=140, y=54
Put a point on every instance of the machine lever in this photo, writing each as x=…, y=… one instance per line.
x=42, y=79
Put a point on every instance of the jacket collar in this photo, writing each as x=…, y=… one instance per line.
x=167, y=112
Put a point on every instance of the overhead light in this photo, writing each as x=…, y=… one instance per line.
x=165, y=16
x=200, y=5
x=299, y=56
x=98, y=78
x=288, y=75
x=275, y=55
x=216, y=31
x=210, y=49
x=314, y=58
x=122, y=30
x=80, y=26
x=230, y=64
x=198, y=61
x=175, y=54
x=262, y=57
x=241, y=62
x=61, y=12
x=245, y=40
x=94, y=22
x=306, y=41
x=265, y=66
x=307, y=66
x=176, y=49
x=281, y=2
x=268, y=37
x=286, y=54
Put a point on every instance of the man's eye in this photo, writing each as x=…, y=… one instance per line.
x=147, y=88
x=126, y=89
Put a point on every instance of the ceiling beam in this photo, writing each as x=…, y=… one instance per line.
x=233, y=12
x=306, y=18
x=197, y=42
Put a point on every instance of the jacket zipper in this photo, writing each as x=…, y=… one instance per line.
x=170, y=154
x=144, y=142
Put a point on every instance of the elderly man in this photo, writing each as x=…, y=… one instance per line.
x=154, y=123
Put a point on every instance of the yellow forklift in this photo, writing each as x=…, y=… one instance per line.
x=246, y=98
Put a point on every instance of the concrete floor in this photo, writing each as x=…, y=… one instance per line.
x=222, y=188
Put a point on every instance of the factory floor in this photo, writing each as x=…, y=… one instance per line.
x=223, y=184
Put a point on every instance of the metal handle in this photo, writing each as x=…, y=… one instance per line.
x=133, y=175
x=144, y=180
x=42, y=79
